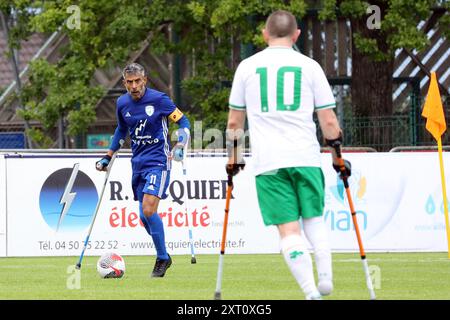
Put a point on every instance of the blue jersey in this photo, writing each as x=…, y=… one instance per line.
x=146, y=120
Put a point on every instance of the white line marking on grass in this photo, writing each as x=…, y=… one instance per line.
x=394, y=260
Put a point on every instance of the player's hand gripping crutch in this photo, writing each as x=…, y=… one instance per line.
x=86, y=241
x=232, y=169
x=344, y=176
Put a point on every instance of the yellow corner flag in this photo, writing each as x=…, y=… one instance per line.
x=434, y=112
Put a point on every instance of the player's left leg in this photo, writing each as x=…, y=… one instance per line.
x=310, y=190
x=317, y=234
x=298, y=258
x=156, y=226
x=151, y=188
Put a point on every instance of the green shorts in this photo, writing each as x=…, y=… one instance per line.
x=286, y=194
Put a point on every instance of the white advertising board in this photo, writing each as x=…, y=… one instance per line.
x=397, y=197
x=398, y=200
x=34, y=211
x=2, y=206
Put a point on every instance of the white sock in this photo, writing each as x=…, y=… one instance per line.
x=317, y=234
x=299, y=261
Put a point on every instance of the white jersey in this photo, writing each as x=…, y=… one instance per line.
x=280, y=89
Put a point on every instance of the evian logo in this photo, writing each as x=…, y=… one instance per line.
x=358, y=186
x=149, y=110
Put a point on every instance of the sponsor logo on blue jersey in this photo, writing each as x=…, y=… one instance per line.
x=142, y=139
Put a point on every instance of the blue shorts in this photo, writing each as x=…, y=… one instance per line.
x=153, y=181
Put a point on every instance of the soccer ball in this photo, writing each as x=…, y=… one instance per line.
x=111, y=265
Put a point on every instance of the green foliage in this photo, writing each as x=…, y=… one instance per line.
x=353, y=9
x=370, y=47
x=444, y=22
x=23, y=11
x=399, y=20
x=400, y=23
x=107, y=32
x=197, y=11
x=40, y=138
x=217, y=24
x=206, y=30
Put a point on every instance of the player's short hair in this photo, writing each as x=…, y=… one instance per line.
x=133, y=68
x=281, y=24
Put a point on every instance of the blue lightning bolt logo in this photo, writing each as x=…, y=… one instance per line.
x=68, y=196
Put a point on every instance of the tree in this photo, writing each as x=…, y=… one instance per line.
x=211, y=32
x=65, y=89
x=215, y=31
x=374, y=44
x=110, y=29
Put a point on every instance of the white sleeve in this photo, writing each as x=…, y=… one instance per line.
x=237, y=95
x=323, y=96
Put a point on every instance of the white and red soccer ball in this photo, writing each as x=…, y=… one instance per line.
x=111, y=265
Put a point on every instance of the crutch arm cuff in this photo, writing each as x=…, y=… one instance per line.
x=333, y=143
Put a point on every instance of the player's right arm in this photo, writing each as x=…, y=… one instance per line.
x=328, y=124
x=119, y=135
x=333, y=136
x=235, y=125
x=324, y=104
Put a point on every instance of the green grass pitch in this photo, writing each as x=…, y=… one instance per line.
x=400, y=276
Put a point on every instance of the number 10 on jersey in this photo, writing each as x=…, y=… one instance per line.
x=281, y=106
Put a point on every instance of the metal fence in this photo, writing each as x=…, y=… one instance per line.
x=12, y=137
x=386, y=132
x=380, y=133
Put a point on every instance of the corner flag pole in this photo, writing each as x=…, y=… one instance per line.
x=444, y=195
x=433, y=111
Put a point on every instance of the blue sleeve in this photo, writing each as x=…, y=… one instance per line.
x=183, y=132
x=166, y=105
x=184, y=122
x=120, y=133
